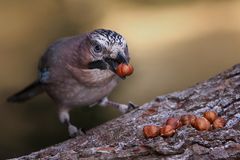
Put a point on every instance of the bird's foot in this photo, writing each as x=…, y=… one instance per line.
x=121, y=107
x=132, y=106
x=104, y=102
x=74, y=132
x=127, y=108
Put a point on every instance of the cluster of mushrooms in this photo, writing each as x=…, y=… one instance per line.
x=210, y=120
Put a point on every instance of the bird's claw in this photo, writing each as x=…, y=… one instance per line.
x=131, y=106
x=127, y=108
x=74, y=132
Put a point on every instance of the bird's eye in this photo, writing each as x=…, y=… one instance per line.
x=97, y=48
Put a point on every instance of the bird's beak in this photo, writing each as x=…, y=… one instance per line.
x=121, y=58
x=114, y=62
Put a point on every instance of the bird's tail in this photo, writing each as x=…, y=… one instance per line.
x=27, y=93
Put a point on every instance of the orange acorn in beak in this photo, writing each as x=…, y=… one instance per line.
x=124, y=70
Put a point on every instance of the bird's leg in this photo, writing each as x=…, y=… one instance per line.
x=64, y=118
x=122, y=107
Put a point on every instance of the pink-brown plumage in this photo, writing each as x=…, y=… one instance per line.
x=79, y=70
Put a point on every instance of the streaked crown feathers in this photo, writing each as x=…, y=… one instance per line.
x=108, y=38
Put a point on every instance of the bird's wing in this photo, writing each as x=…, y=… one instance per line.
x=44, y=75
x=90, y=77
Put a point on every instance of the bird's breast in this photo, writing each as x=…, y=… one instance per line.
x=71, y=93
x=83, y=95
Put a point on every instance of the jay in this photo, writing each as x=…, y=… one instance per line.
x=79, y=71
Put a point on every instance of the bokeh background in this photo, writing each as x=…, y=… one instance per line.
x=173, y=43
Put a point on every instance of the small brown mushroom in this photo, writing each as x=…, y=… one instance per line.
x=167, y=131
x=174, y=122
x=151, y=131
x=187, y=119
x=219, y=123
x=201, y=124
x=211, y=116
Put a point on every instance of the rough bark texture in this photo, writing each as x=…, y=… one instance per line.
x=122, y=138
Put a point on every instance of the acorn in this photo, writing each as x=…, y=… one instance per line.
x=192, y=118
x=211, y=116
x=174, y=122
x=188, y=119
x=150, y=131
x=124, y=70
x=201, y=124
x=167, y=131
x=219, y=123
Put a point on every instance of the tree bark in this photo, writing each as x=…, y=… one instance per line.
x=122, y=138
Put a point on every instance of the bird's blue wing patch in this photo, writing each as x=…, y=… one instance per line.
x=44, y=75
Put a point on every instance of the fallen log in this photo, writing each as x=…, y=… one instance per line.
x=122, y=138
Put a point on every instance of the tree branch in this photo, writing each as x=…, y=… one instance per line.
x=122, y=138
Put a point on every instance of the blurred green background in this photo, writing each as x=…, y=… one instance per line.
x=173, y=44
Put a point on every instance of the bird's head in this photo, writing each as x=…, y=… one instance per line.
x=108, y=49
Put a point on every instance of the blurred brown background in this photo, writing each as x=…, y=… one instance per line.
x=173, y=43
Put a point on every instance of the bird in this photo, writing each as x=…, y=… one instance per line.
x=79, y=71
